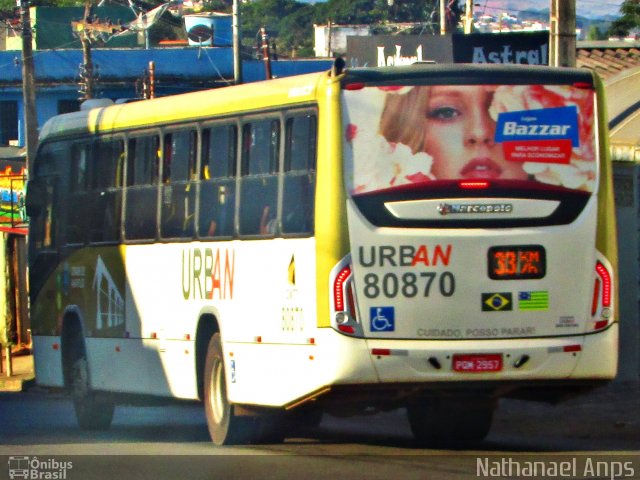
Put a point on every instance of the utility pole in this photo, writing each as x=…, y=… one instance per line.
x=90, y=29
x=87, y=61
x=468, y=16
x=28, y=84
x=237, y=45
x=562, y=34
x=266, y=54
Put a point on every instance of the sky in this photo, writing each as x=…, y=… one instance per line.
x=584, y=8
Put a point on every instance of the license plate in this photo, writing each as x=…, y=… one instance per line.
x=490, y=362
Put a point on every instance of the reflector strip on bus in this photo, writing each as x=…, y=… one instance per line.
x=384, y=352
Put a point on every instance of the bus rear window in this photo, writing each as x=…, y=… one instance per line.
x=404, y=135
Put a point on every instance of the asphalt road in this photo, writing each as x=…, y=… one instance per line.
x=172, y=442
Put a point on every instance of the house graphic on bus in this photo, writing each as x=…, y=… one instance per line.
x=109, y=300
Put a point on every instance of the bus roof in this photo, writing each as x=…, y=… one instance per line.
x=460, y=73
x=185, y=107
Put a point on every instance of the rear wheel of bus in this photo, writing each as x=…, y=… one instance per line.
x=450, y=423
x=225, y=427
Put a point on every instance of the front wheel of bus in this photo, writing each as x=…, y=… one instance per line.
x=225, y=427
x=92, y=411
x=450, y=423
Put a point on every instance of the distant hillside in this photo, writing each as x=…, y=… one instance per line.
x=585, y=8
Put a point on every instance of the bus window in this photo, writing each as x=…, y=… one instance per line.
x=141, y=192
x=43, y=226
x=77, y=219
x=178, y=189
x=217, y=187
x=106, y=191
x=299, y=174
x=259, y=182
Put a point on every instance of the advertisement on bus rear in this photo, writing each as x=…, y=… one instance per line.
x=400, y=135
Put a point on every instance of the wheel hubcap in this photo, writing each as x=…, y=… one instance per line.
x=218, y=392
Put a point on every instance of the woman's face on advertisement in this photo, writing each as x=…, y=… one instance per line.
x=459, y=135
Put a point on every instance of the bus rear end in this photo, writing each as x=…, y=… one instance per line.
x=482, y=237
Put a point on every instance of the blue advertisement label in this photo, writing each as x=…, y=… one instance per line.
x=545, y=124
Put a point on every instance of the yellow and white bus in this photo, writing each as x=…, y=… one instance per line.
x=426, y=237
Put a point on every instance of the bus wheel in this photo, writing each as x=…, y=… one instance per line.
x=450, y=423
x=225, y=427
x=92, y=412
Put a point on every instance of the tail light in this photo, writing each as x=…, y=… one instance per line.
x=601, y=308
x=473, y=185
x=344, y=316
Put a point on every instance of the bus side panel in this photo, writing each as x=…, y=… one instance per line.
x=599, y=357
x=331, y=228
x=281, y=375
x=47, y=361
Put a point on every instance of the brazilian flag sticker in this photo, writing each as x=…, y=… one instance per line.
x=497, y=302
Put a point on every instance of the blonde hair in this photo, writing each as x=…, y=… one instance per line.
x=403, y=117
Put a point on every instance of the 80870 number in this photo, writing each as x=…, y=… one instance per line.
x=408, y=284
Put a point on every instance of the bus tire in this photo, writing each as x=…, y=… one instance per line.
x=92, y=411
x=225, y=427
x=448, y=423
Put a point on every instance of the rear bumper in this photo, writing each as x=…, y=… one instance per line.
x=581, y=357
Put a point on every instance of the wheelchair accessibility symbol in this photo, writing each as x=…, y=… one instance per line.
x=382, y=319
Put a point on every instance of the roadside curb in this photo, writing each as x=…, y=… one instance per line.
x=13, y=384
x=23, y=373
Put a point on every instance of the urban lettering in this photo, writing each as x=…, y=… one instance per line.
x=405, y=255
x=208, y=273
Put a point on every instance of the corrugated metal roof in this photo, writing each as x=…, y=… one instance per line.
x=192, y=65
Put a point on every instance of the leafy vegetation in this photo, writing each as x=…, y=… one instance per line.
x=289, y=23
x=629, y=20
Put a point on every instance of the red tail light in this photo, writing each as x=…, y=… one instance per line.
x=477, y=185
x=344, y=316
x=339, y=289
x=606, y=284
x=602, y=297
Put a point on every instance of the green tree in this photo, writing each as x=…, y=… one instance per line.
x=630, y=19
x=595, y=33
x=271, y=15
